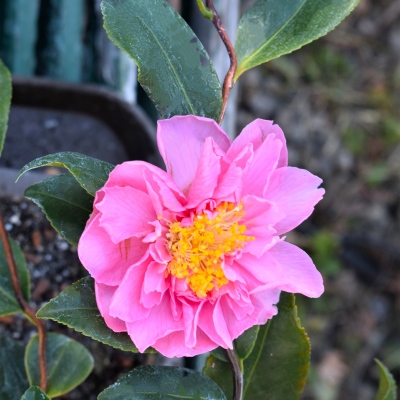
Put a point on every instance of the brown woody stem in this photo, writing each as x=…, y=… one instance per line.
x=26, y=308
x=229, y=78
x=237, y=375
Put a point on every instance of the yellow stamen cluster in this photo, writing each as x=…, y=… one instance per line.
x=198, y=250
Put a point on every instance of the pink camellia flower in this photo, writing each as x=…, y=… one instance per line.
x=187, y=260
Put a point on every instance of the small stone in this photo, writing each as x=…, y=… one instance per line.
x=36, y=239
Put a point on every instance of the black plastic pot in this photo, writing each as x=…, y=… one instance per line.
x=48, y=117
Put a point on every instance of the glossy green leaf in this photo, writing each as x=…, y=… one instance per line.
x=5, y=101
x=76, y=307
x=277, y=367
x=272, y=28
x=244, y=344
x=156, y=383
x=387, y=385
x=67, y=206
x=68, y=363
x=34, y=393
x=221, y=373
x=90, y=173
x=8, y=301
x=13, y=382
x=174, y=69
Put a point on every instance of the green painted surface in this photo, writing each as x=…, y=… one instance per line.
x=18, y=34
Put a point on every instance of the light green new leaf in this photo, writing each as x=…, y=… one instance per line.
x=34, y=393
x=76, y=307
x=13, y=382
x=68, y=363
x=387, y=385
x=67, y=206
x=5, y=101
x=156, y=383
x=8, y=302
x=278, y=364
x=174, y=69
x=272, y=28
x=90, y=173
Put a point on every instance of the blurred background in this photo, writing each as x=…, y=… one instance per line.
x=338, y=102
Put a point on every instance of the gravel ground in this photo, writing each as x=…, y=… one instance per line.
x=337, y=101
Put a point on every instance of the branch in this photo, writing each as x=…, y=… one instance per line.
x=27, y=309
x=229, y=78
x=237, y=375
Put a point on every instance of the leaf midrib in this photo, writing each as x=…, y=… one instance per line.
x=248, y=380
x=46, y=194
x=254, y=54
x=180, y=83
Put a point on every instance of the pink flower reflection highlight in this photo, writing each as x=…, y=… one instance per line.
x=187, y=260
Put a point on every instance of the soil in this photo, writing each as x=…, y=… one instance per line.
x=338, y=101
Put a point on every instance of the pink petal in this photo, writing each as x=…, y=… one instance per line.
x=259, y=219
x=158, y=324
x=295, y=191
x=234, y=326
x=129, y=174
x=126, y=212
x=107, y=262
x=284, y=267
x=207, y=172
x=159, y=252
x=164, y=192
x=154, y=285
x=261, y=167
x=229, y=183
x=191, y=311
x=135, y=174
x=239, y=301
x=190, y=133
x=264, y=305
x=126, y=303
x=262, y=309
x=173, y=345
x=104, y=296
x=256, y=132
x=208, y=321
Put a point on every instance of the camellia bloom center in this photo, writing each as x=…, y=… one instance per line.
x=198, y=250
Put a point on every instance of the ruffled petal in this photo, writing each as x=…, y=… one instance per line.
x=259, y=219
x=173, y=345
x=190, y=132
x=295, y=192
x=263, y=164
x=126, y=303
x=284, y=267
x=126, y=212
x=154, y=285
x=207, y=320
x=136, y=174
x=158, y=324
x=207, y=173
x=256, y=132
x=104, y=294
x=106, y=261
